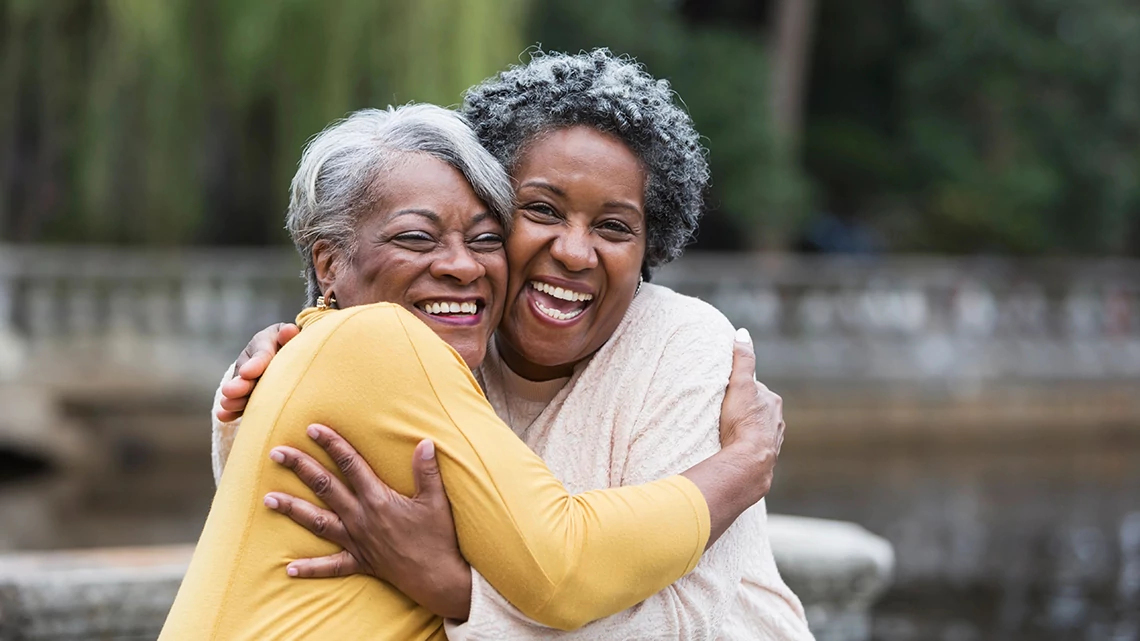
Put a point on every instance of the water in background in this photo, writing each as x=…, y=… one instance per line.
x=1025, y=541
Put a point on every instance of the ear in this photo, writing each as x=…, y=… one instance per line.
x=326, y=263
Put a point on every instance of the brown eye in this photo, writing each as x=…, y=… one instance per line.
x=616, y=227
x=542, y=212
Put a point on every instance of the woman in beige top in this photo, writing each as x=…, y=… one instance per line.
x=612, y=381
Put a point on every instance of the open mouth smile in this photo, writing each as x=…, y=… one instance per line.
x=454, y=312
x=558, y=303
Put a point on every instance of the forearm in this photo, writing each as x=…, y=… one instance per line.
x=446, y=593
x=693, y=608
x=732, y=480
x=586, y=556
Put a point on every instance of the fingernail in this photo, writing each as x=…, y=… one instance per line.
x=742, y=336
x=291, y=571
x=270, y=502
x=428, y=452
x=277, y=456
x=312, y=431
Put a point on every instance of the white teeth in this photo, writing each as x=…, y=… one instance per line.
x=557, y=315
x=558, y=292
x=450, y=308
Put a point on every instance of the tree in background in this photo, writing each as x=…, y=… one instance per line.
x=921, y=125
x=182, y=120
x=963, y=126
x=793, y=27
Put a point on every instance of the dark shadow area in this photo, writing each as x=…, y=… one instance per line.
x=17, y=465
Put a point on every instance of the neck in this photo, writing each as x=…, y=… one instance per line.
x=528, y=370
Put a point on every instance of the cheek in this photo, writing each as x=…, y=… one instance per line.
x=526, y=240
x=623, y=263
x=623, y=269
x=388, y=276
x=496, y=266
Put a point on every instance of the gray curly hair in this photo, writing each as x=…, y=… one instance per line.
x=341, y=173
x=614, y=95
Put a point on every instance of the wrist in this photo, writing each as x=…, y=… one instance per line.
x=755, y=464
x=453, y=588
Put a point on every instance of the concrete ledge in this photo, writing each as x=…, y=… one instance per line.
x=837, y=569
x=118, y=593
x=123, y=594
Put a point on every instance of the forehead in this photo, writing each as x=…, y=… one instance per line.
x=582, y=153
x=425, y=183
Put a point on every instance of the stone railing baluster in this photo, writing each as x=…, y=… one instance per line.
x=893, y=318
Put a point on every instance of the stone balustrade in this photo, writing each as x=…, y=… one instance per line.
x=814, y=318
x=914, y=319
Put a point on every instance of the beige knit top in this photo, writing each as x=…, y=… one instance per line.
x=645, y=406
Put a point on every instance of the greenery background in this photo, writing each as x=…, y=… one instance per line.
x=956, y=126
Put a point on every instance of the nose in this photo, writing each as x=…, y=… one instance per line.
x=457, y=263
x=574, y=248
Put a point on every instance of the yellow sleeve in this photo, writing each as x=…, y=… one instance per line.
x=563, y=560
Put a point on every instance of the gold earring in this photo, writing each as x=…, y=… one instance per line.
x=322, y=304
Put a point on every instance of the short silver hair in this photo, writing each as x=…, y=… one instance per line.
x=341, y=173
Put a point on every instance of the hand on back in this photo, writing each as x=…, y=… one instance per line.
x=250, y=365
x=751, y=416
x=409, y=542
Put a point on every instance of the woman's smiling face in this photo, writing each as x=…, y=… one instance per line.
x=575, y=252
x=430, y=245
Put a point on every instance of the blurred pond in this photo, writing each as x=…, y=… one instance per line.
x=1028, y=540
x=1031, y=539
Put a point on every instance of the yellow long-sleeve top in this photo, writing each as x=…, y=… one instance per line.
x=385, y=381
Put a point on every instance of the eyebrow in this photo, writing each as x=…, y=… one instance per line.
x=426, y=213
x=620, y=204
x=542, y=184
x=434, y=217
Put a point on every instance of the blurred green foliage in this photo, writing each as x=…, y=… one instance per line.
x=182, y=120
x=967, y=125
x=938, y=125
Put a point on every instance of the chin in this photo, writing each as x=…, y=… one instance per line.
x=471, y=355
x=538, y=345
x=469, y=343
x=555, y=357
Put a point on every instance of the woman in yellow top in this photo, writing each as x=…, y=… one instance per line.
x=363, y=194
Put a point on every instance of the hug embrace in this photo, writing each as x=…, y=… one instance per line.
x=488, y=423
